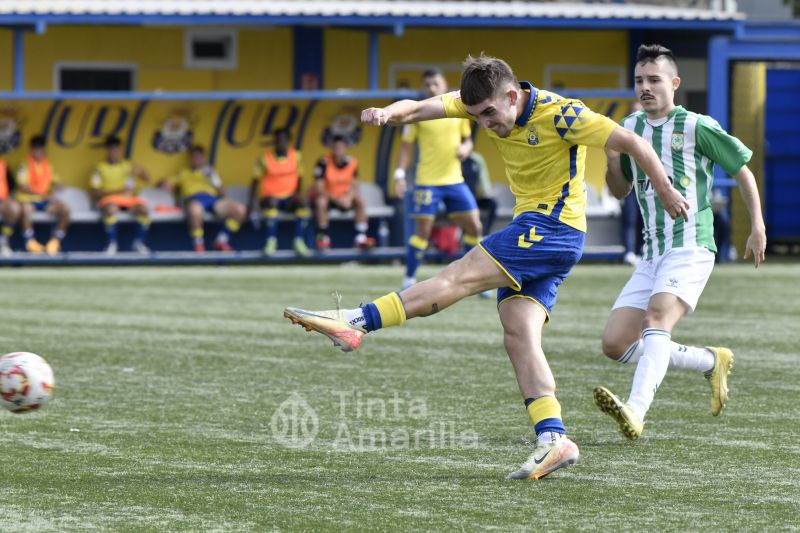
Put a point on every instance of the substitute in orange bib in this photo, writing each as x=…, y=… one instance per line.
x=276, y=181
x=9, y=209
x=113, y=188
x=337, y=186
x=36, y=182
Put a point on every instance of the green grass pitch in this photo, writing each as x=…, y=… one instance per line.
x=185, y=402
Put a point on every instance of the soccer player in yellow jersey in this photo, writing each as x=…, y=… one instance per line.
x=542, y=138
x=113, y=188
x=443, y=144
x=201, y=189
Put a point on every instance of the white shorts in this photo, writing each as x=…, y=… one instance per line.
x=683, y=272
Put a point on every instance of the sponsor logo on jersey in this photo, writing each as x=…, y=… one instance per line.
x=677, y=141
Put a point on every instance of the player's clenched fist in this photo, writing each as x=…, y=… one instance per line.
x=376, y=116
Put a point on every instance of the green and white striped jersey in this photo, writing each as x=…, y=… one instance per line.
x=688, y=145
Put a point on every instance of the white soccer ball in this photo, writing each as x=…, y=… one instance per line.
x=26, y=382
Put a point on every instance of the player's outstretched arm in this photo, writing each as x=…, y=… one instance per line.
x=757, y=241
x=617, y=183
x=625, y=141
x=404, y=112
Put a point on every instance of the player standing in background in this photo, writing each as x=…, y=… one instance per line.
x=443, y=144
x=114, y=188
x=678, y=254
x=276, y=182
x=9, y=210
x=36, y=182
x=336, y=186
x=476, y=176
x=201, y=189
x=542, y=138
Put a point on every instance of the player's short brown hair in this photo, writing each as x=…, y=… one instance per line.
x=482, y=77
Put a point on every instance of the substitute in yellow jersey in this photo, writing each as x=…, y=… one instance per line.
x=114, y=188
x=540, y=136
x=442, y=145
x=200, y=187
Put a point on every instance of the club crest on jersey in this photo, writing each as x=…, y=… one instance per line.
x=677, y=141
x=533, y=136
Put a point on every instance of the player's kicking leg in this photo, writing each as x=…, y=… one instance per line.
x=473, y=273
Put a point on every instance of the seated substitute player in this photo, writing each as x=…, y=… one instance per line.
x=443, y=144
x=36, y=182
x=678, y=255
x=543, y=144
x=9, y=210
x=113, y=188
x=337, y=186
x=277, y=181
x=201, y=189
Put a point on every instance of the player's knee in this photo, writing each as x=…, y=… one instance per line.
x=612, y=347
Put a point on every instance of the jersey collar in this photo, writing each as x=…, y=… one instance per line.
x=528, y=111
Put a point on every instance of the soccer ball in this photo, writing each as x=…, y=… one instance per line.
x=26, y=382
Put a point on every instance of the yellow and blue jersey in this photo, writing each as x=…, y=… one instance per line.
x=438, y=142
x=110, y=177
x=545, y=153
x=197, y=181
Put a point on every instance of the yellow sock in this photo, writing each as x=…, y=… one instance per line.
x=545, y=413
x=232, y=225
x=543, y=408
x=197, y=233
x=390, y=307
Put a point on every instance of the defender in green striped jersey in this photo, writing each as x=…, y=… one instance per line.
x=678, y=253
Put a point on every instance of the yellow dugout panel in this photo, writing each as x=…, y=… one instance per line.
x=156, y=134
x=264, y=57
x=6, y=60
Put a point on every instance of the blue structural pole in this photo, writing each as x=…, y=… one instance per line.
x=718, y=82
x=19, y=60
x=719, y=88
x=373, y=60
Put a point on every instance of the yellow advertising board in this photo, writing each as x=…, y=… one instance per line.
x=156, y=133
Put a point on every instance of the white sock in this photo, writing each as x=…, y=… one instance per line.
x=548, y=437
x=355, y=317
x=650, y=370
x=222, y=236
x=361, y=227
x=680, y=356
x=691, y=357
